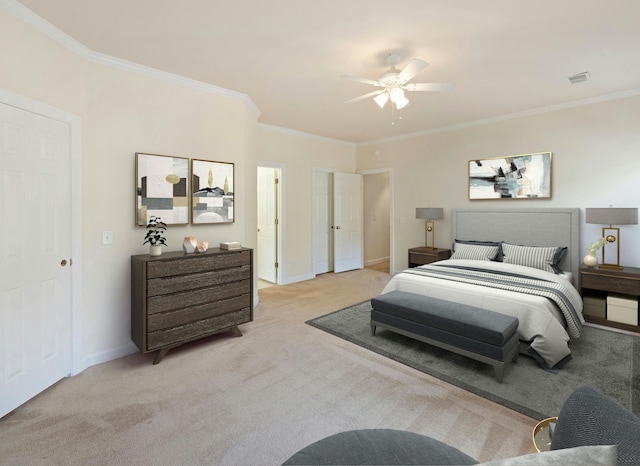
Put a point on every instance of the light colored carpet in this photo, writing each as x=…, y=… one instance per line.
x=601, y=358
x=256, y=399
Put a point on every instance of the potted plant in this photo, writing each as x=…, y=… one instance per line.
x=590, y=260
x=155, y=236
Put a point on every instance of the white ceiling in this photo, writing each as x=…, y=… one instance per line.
x=505, y=56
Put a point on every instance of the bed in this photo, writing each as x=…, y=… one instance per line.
x=546, y=303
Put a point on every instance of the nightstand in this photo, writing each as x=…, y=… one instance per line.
x=423, y=255
x=596, y=284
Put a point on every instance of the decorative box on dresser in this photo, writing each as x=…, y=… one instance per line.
x=425, y=255
x=611, y=296
x=179, y=297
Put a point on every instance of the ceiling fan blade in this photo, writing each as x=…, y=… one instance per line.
x=414, y=67
x=434, y=87
x=362, y=97
x=361, y=80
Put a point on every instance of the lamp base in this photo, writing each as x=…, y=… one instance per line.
x=610, y=266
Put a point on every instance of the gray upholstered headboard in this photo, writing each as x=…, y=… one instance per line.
x=528, y=227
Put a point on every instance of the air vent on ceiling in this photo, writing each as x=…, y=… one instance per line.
x=579, y=78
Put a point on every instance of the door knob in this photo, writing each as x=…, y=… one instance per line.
x=337, y=228
x=63, y=262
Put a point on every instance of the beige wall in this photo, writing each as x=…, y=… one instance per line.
x=299, y=154
x=123, y=113
x=596, y=163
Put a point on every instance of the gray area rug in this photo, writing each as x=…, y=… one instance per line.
x=605, y=360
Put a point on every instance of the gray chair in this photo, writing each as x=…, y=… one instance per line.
x=588, y=418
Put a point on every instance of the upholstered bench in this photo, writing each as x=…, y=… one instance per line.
x=477, y=333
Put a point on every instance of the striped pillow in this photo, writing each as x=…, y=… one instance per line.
x=480, y=243
x=537, y=257
x=475, y=252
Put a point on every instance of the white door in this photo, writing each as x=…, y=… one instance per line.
x=322, y=222
x=347, y=221
x=35, y=250
x=267, y=227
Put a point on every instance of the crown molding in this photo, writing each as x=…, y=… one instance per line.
x=118, y=63
x=306, y=135
x=48, y=29
x=40, y=24
x=510, y=116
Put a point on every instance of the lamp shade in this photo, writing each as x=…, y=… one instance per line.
x=429, y=213
x=612, y=216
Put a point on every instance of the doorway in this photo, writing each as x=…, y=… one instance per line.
x=269, y=219
x=337, y=221
x=378, y=215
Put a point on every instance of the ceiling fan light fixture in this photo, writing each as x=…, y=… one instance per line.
x=401, y=102
x=396, y=94
x=381, y=99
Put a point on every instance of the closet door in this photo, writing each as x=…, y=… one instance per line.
x=35, y=253
x=347, y=221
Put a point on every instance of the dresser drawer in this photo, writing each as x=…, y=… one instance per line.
x=181, y=300
x=175, y=284
x=178, y=266
x=164, y=320
x=197, y=329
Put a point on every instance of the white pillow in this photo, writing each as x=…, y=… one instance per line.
x=591, y=455
x=475, y=252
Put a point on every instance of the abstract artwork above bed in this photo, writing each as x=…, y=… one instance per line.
x=526, y=176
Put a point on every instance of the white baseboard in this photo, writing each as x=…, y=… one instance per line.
x=110, y=355
x=376, y=261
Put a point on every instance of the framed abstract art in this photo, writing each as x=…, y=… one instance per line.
x=162, y=188
x=526, y=176
x=212, y=192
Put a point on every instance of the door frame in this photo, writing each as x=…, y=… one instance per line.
x=78, y=364
x=280, y=227
x=375, y=171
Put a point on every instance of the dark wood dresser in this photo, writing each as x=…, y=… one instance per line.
x=179, y=297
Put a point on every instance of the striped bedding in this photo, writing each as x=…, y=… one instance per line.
x=548, y=307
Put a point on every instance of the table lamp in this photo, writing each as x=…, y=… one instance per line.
x=612, y=216
x=429, y=214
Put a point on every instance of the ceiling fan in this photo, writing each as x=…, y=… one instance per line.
x=394, y=82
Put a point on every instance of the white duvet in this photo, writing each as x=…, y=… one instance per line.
x=542, y=324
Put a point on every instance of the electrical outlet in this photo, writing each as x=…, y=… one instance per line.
x=107, y=237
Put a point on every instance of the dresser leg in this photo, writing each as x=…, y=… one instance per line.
x=236, y=331
x=160, y=354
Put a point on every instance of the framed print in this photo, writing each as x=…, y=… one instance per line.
x=526, y=176
x=162, y=188
x=212, y=192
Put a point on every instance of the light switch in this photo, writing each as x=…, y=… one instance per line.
x=107, y=237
